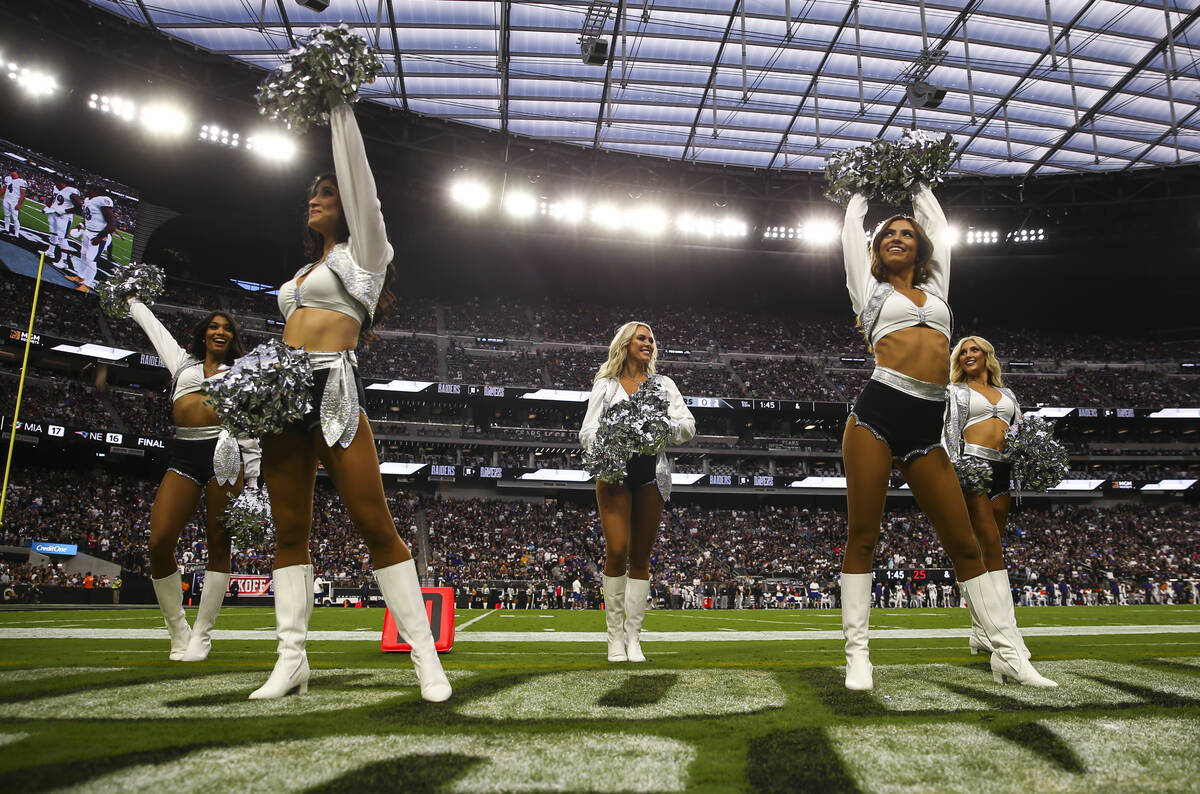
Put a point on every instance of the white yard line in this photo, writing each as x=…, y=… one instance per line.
x=476, y=620
x=598, y=636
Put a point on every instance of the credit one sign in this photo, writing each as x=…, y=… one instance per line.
x=45, y=547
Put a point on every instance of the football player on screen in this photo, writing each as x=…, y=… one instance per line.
x=14, y=197
x=59, y=211
x=99, y=223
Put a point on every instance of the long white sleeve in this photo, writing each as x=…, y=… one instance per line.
x=168, y=349
x=360, y=200
x=596, y=406
x=856, y=254
x=928, y=213
x=683, y=424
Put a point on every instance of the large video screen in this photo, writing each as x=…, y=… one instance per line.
x=82, y=222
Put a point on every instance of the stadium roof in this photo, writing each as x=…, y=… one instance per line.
x=1032, y=87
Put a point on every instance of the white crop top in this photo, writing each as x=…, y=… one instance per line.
x=186, y=372
x=898, y=311
x=980, y=409
x=351, y=276
x=322, y=289
x=880, y=308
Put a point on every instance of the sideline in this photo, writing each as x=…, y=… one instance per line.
x=598, y=636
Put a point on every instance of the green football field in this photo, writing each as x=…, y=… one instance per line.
x=728, y=701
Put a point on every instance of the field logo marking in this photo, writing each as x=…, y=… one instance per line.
x=542, y=762
x=583, y=694
x=947, y=687
x=223, y=696
x=19, y=676
x=1103, y=755
x=12, y=738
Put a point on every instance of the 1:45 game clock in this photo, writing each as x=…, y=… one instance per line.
x=915, y=575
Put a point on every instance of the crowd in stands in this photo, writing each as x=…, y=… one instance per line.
x=146, y=413
x=785, y=378
x=108, y=516
x=479, y=540
x=56, y=400
x=412, y=358
x=514, y=368
x=572, y=368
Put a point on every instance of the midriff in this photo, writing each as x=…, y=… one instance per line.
x=918, y=351
x=988, y=433
x=321, y=329
x=190, y=411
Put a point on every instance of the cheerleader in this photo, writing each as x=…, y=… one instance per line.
x=898, y=289
x=630, y=512
x=327, y=305
x=979, y=413
x=204, y=461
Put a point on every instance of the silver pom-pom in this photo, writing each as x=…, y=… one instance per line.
x=264, y=391
x=139, y=279
x=248, y=519
x=974, y=474
x=333, y=61
x=888, y=170
x=1039, y=461
x=637, y=426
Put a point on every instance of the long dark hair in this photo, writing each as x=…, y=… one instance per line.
x=314, y=241
x=314, y=246
x=921, y=270
x=235, y=349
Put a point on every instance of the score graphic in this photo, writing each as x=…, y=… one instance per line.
x=917, y=576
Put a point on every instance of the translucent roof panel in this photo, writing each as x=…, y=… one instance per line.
x=1025, y=87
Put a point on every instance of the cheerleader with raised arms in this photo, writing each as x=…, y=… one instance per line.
x=898, y=287
x=204, y=461
x=327, y=305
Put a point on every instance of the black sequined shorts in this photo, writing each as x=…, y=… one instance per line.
x=1001, y=477
x=192, y=458
x=312, y=420
x=911, y=426
x=640, y=471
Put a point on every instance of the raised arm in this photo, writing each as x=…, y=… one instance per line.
x=168, y=349
x=928, y=213
x=856, y=254
x=683, y=424
x=591, y=420
x=360, y=201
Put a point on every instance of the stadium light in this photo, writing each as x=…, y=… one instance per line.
x=647, y=221
x=215, y=133
x=982, y=236
x=470, y=193
x=692, y=224
x=567, y=211
x=819, y=232
x=520, y=204
x=117, y=106
x=731, y=227
x=271, y=145
x=607, y=216
x=163, y=119
x=1027, y=236
x=32, y=81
